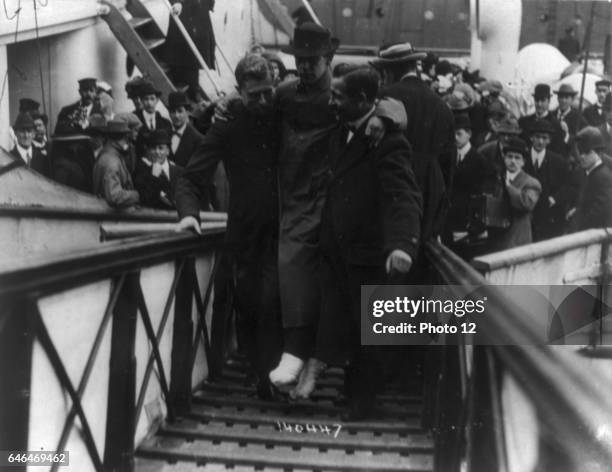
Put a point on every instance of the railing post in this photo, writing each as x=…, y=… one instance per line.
x=180, y=371
x=15, y=371
x=119, y=450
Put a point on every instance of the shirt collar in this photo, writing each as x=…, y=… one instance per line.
x=148, y=116
x=512, y=175
x=356, y=124
x=537, y=156
x=597, y=163
x=541, y=117
x=180, y=131
x=462, y=152
x=23, y=152
x=410, y=74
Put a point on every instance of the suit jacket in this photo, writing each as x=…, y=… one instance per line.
x=556, y=181
x=594, y=115
x=248, y=147
x=594, y=207
x=111, y=178
x=157, y=192
x=472, y=175
x=374, y=204
x=607, y=138
x=523, y=195
x=67, y=120
x=39, y=162
x=557, y=143
x=190, y=140
x=575, y=121
x=430, y=132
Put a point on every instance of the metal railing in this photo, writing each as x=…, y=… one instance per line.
x=121, y=262
x=573, y=405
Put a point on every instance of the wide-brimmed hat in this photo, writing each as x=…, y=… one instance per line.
x=131, y=119
x=541, y=91
x=158, y=136
x=457, y=103
x=28, y=105
x=23, y=121
x=88, y=83
x=398, y=53
x=310, y=40
x=566, y=89
x=147, y=88
x=509, y=125
x=541, y=126
x=515, y=144
x=116, y=127
x=590, y=138
x=177, y=100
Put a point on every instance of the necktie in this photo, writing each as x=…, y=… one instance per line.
x=28, y=157
x=151, y=124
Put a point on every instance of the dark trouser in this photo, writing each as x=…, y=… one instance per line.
x=258, y=311
x=186, y=76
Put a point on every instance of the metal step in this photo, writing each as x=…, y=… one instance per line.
x=203, y=453
x=137, y=22
x=153, y=43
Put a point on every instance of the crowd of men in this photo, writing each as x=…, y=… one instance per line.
x=336, y=178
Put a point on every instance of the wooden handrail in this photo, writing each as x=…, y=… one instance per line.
x=553, y=383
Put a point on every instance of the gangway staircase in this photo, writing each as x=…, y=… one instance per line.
x=142, y=39
x=229, y=428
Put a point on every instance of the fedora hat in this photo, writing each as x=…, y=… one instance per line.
x=566, y=89
x=310, y=40
x=398, y=53
x=541, y=91
x=147, y=88
x=115, y=127
x=23, y=121
x=177, y=100
x=590, y=138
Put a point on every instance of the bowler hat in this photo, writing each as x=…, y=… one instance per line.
x=566, y=89
x=589, y=138
x=28, y=105
x=177, y=100
x=541, y=126
x=116, y=127
x=462, y=121
x=147, y=88
x=515, y=144
x=158, y=136
x=23, y=121
x=541, y=91
x=88, y=83
x=398, y=53
x=310, y=40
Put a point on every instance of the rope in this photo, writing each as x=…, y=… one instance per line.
x=17, y=16
x=40, y=68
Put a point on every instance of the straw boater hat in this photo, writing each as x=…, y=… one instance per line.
x=397, y=54
x=605, y=80
x=311, y=40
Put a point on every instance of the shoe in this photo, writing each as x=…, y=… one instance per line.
x=287, y=370
x=293, y=391
x=308, y=379
x=268, y=392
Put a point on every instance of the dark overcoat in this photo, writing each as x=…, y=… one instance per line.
x=39, y=162
x=594, y=207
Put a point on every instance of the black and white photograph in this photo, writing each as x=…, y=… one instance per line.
x=305, y=235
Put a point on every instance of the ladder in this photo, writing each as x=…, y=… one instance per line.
x=142, y=38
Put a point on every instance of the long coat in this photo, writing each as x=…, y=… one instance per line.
x=196, y=19
x=373, y=206
x=594, y=207
x=555, y=179
x=111, y=178
x=430, y=132
x=306, y=123
x=39, y=162
x=523, y=195
x=247, y=147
